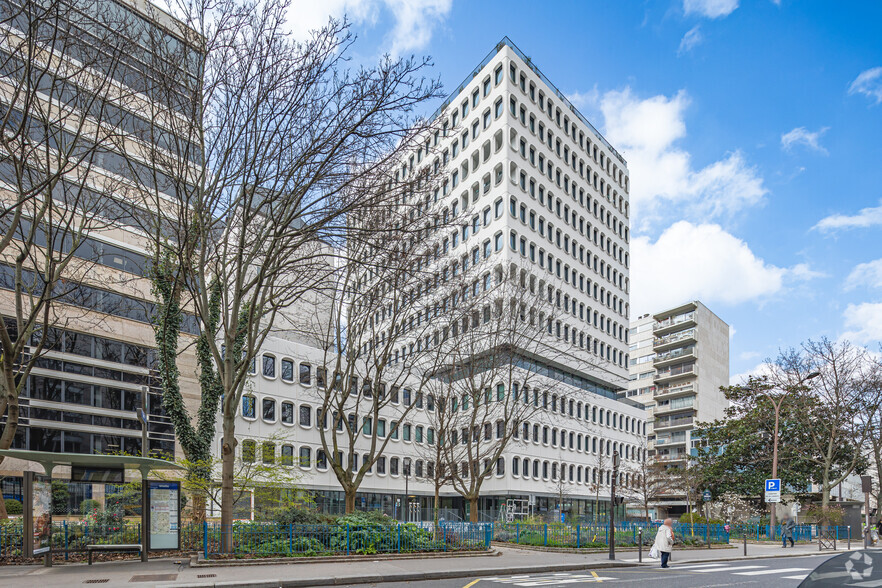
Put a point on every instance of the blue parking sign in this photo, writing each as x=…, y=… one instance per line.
x=773, y=485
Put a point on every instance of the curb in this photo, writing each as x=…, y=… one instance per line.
x=197, y=561
x=588, y=551
x=404, y=577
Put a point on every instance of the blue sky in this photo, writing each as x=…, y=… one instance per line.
x=753, y=135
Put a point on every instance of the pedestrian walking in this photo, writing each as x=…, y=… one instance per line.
x=664, y=542
x=788, y=526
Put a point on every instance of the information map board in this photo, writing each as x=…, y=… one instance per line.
x=165, y=514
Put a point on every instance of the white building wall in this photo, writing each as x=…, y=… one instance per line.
x=535, y=186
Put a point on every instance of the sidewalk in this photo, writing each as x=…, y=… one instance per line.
x=170, y=573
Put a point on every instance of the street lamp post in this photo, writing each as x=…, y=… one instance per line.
x=777, y=405
x=406, y=506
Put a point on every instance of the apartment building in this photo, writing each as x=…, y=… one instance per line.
x=679, y=359
x=530, y=192
x=83, y=394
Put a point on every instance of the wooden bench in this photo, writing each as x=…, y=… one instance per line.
x=107, y=548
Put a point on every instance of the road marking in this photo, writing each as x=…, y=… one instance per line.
x=795, y=577
x=778, y=571
x=697, y=566
x=726, y=568
x=550, y=579
x=472, y=583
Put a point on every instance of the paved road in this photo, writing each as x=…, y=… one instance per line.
x=777, y=573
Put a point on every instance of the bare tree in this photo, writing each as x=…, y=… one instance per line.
x=62, y=166
x=492, y=322
x=841, y=405
x=374, y=325
x=285, y=137
x=649, y=480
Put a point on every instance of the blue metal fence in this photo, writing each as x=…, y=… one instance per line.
x=800, y=533
x=598, y=535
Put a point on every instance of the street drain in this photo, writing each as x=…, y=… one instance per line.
x=206, y=575
x=97, y=581
x=154, y=578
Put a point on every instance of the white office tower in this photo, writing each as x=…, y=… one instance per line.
x=679, y=358
x=531, y=198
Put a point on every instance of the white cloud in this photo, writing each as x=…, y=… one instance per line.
x=583, y=100
x=802, y=271
x=802, y=136
x=692, y=38
x=865, y=274
x=414, y=19
x=864, y=321
x=760, y=369
x=702, y=262
x=868, y=83
x=866, y=217
x=710, y=8
x=646, y=131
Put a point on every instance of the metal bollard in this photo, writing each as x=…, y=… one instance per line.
x=640, y=546
x=745, y=543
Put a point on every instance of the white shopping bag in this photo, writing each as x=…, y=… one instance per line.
x=653, y=553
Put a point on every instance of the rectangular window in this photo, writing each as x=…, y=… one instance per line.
x=269, y=366
x=305, y=416
x=305, y=374
x=269, y=409
x=248, y=407
x=287, y=370
x=288, y=413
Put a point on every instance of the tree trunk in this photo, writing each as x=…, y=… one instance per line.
x=10, y=396
x=349, y=493
x=197, y=510
x=227, y=467
x=473, y=509
x=436, y=507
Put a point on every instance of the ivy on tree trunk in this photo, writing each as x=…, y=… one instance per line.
x=195, y=441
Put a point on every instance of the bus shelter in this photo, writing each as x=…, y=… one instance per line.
x=160, y=500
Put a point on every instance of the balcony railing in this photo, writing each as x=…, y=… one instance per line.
x=674, y=320
x=676, y=370
x=674, y=354
x=674, y=337
x=663, y=423
x=676, y=404
x=679, y=388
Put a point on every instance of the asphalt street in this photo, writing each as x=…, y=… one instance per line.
x=780, y=573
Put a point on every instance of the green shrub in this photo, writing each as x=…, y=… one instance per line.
x=89, y=505
x=13, y=506
x=366, y=517
x=295, y=515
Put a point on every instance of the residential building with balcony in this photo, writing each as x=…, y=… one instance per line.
x=679, y=359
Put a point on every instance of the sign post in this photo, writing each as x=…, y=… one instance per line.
x=706, y=498
x=773, y=490
x=867, y=487
x=773, y=495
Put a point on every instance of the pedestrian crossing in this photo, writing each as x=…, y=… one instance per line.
x=747, y=571
x=558, y=579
